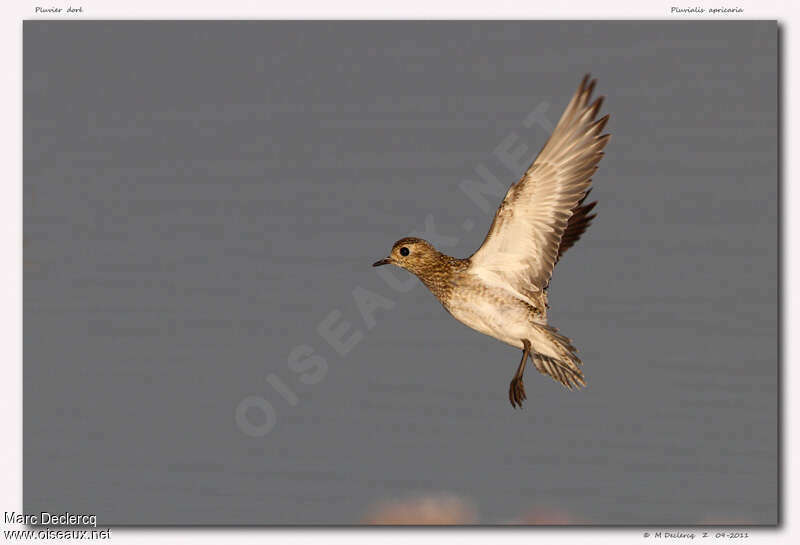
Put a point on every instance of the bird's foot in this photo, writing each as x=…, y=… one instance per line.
x=516, y=392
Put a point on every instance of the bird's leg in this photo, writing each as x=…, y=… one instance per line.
x=516, y=391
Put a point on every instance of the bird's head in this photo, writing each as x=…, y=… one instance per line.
x=412, y=254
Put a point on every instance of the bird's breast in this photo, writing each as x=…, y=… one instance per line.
x=494, y=312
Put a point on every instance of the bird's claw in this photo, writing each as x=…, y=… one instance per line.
x=516, y=393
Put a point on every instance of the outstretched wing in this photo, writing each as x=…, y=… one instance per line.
x=523, y=243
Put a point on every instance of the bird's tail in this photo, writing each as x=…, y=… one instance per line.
x=553, y=354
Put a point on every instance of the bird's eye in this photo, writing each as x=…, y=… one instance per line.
x=404, y=251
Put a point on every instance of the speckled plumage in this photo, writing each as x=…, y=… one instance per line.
x=501, y=290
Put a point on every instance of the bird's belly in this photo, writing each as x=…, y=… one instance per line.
x=506, y=319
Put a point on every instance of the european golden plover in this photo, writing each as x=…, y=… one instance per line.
x=501, y=290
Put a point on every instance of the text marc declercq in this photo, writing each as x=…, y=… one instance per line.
x=58, y=519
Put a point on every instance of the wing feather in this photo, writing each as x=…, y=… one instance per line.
x=580, y=220
x=525, y=239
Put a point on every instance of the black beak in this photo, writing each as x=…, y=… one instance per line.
x=384, y=261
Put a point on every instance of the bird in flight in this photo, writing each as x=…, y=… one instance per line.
x=501, y=290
